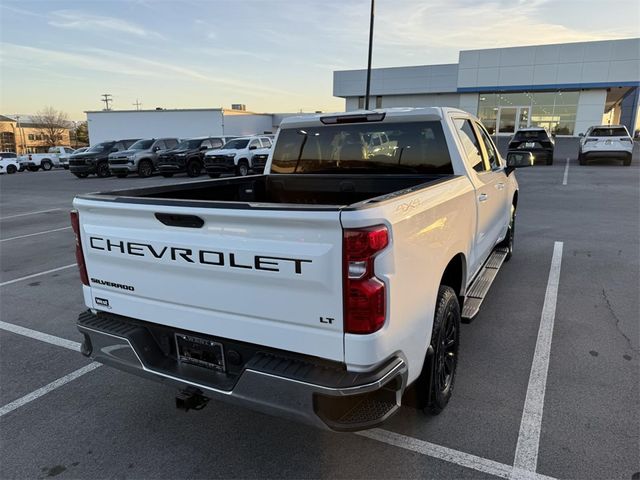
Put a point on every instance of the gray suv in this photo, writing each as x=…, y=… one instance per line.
x=141, y=157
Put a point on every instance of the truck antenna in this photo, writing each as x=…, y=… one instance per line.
x=368, y=91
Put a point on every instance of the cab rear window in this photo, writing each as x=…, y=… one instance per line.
x=530, y=134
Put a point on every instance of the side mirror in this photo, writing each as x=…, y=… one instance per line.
x=581, y=134
x=203, y=148
x=519, y=160
x=155, y=148
x=253, y=147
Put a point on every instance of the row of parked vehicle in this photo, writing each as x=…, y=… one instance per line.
x=213, y=155
x=600, y=141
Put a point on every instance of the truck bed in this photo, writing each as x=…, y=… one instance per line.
x=325, y=191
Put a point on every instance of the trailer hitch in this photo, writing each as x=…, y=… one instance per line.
x=191, y=399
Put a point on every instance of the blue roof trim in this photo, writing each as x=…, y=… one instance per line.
x=550, y=86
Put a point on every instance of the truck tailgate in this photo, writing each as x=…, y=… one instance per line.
x=269, y=277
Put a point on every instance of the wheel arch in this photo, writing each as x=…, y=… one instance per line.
x=455, y=275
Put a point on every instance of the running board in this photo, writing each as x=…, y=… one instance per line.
x=482, y=283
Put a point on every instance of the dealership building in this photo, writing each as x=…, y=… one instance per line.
x=564, y=87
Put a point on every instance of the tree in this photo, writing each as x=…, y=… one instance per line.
x=80, y=135
x=52, y=124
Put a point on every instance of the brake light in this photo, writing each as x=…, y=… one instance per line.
x=364, y=294
x=75, y=225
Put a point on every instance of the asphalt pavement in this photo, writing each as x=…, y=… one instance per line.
x=58, y=421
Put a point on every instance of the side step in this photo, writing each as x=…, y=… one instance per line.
x=482, y=283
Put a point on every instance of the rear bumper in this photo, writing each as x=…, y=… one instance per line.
x=278, y=383
x=619, y=154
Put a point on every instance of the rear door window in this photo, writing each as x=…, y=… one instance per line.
x=470, y=144
x=217, y=142
x=171, y=143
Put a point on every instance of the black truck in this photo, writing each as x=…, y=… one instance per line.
x=95, y=160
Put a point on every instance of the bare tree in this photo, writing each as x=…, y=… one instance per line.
x=52, y=124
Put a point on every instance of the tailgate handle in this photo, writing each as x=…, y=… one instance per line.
x=176, y=220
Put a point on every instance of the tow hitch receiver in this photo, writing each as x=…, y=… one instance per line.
x=191, y=399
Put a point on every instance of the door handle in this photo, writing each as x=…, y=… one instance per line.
x=500, y=186
x=483, y=197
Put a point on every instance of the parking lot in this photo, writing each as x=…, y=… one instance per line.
x=548, y=372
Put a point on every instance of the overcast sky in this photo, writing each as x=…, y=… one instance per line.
x=272, y=55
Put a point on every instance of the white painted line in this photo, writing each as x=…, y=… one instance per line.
x=10, y=407
x=526, y=457
x=30, y=213
x=43, y=337
x=566, y=173
x=447, y=454
x=15, y=280
x=34, y=234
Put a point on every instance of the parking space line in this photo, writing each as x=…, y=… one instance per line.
x=34, y=234
x=449, y=455
x=43, y=337
x=15, y=280
x=10, y=407
x=30, y=213
x=566, y=173
x=526, y=457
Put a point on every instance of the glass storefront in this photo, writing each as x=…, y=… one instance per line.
x=507, y=112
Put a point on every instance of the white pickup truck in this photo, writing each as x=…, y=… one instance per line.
x=328, y=290
x=45, y=161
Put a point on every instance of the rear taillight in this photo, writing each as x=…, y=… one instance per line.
x=75, y=225
x=364, y=294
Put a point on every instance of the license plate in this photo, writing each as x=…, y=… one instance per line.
x=607, y=142
x=200, y=351
x=529, y=144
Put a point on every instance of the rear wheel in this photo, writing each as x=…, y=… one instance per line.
x=46, y=165
x=627, y=161
x=509, y=239
x=145, y=168
x=11, y=169
x=581, y=159
x=194, y=168
x=102, y=170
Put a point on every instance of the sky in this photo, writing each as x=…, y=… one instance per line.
x=272, y=55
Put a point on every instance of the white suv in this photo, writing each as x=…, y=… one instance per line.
x=236, y=156
x=606, y=141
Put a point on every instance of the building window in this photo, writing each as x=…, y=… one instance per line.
x=32, y=137
x=507, y=112
x=379, y=101
x=360, y=103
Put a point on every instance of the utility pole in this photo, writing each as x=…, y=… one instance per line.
x=368, y=91
x=137, y=104
x=106, y=98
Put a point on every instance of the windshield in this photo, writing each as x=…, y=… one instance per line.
x=417, y=147
x=238, y=144
x=141, y=145
x=189, y=144
x=609, y=132
x=100, y=147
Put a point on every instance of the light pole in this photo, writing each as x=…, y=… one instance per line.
x=368, y=91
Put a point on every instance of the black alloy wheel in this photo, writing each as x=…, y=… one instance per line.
x=102, y=170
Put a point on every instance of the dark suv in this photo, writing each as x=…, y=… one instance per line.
x=535, y=140
x=96, y=158
x=188, y=156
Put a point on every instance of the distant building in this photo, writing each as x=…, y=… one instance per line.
x=21, y=135
x=182, y=123
x=564, y=87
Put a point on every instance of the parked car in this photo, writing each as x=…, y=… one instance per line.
x=64, y=160
x=9, y=163
x=326, y=290
x=95, y=160
x=141, y=157
x=535, y=140
x=236, y=156
x=606, y=141
x=188, y=156
x=45, y=161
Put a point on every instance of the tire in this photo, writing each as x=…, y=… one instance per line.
x=122, y=175
x=46, y=165
x=167, y=175
x=81, y=175
x=145, y=168
x=11, y=169
x=214, y=175
x=581, y=160
x=445, y=341
x=194, y=168
x=66, y=167
x=243, y=168
x=627, y=161
x=102, y=170
x=510, y=237
x=550, y=160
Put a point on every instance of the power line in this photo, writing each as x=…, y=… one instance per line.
x=137, y=104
